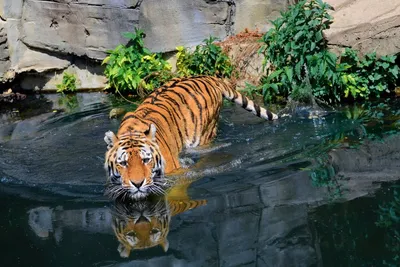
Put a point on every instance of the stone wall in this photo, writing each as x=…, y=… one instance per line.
x=366, y=25
x=41, y=39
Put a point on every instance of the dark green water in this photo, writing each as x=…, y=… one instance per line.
x=296, y=192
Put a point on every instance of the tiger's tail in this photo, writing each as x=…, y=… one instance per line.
x=231, y=94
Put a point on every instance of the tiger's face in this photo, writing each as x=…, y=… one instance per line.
x=141, y=225
x=134, y=164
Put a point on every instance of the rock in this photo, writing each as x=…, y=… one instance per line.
x=288, y=241
x=25, y=59
x=77, y=27
x=89, y=76
x=290, y=191
x=4, y=53
x=10, y=97
x=11, y=9
x=116, y=112
x=256, y=14
x=366, y=26
x=183, y=22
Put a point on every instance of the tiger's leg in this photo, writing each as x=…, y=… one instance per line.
x=208, y=136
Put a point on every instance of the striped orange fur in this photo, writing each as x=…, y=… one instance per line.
x=181, y=114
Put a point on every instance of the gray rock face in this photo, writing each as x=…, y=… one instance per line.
x=4, y=53
x=77, y=27
x=180, y=22
x=366, y=26
x=42, y=36
x=11, y=9
x=258, y=13
x=51, y=35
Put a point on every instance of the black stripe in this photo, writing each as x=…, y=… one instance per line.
x=269, y=114
x=179, y=113
x=201, y=94
x=169, y=111
x=149, y=111
x=160, y=128
x=244, y=101
x=181, y=96
x=257, y=108
x=160, y=136
x=198, y=106
x=210, y=90
x=200, y=91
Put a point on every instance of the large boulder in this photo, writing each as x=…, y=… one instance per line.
x=77, y=27
x=4, y=54
x=257, y=14
x=368, y=25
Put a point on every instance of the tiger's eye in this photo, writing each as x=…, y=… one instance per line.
x=123, y=163
x=146, y=160
x=154, y=231
x=133, y=234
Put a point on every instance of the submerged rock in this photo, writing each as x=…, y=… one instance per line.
x=9, y=96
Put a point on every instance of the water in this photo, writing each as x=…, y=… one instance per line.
x=296, y=192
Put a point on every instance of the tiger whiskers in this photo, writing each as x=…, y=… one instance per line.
x=116, y=191
x=157, y=188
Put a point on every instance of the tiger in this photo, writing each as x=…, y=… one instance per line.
x=183, y=113
x=145, y=223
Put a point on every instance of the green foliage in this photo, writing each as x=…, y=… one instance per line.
x=389, y=218
x=367, y=77
x=298, y=63
x=207, y=59
x=68, y=83
x=297, y=51
x=133, y=68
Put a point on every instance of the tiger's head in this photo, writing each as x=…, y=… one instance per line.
x=134, y=164
x=141, y=224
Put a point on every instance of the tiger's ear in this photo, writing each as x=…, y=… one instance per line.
x=123, y=251
x=151, y=132
x=110, y=139
x=165, y=245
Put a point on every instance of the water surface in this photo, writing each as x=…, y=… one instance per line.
x=295, y=192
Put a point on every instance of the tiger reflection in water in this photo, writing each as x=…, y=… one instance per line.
x=139, y=224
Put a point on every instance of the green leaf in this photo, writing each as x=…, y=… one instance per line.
x=394, y=71
x=318, y=36
x=331, y=58
x=273, y=75
x=297, y=69
x=274, y=86
x=289, y=73
x=298, y=35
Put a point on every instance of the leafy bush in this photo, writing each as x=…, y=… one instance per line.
x=296, y=49
x=369, y=76
x=133, y=68
x=68, y=83
x=207, y=59
x=301, y=65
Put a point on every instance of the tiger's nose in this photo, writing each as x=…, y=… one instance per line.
x=137, y=185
